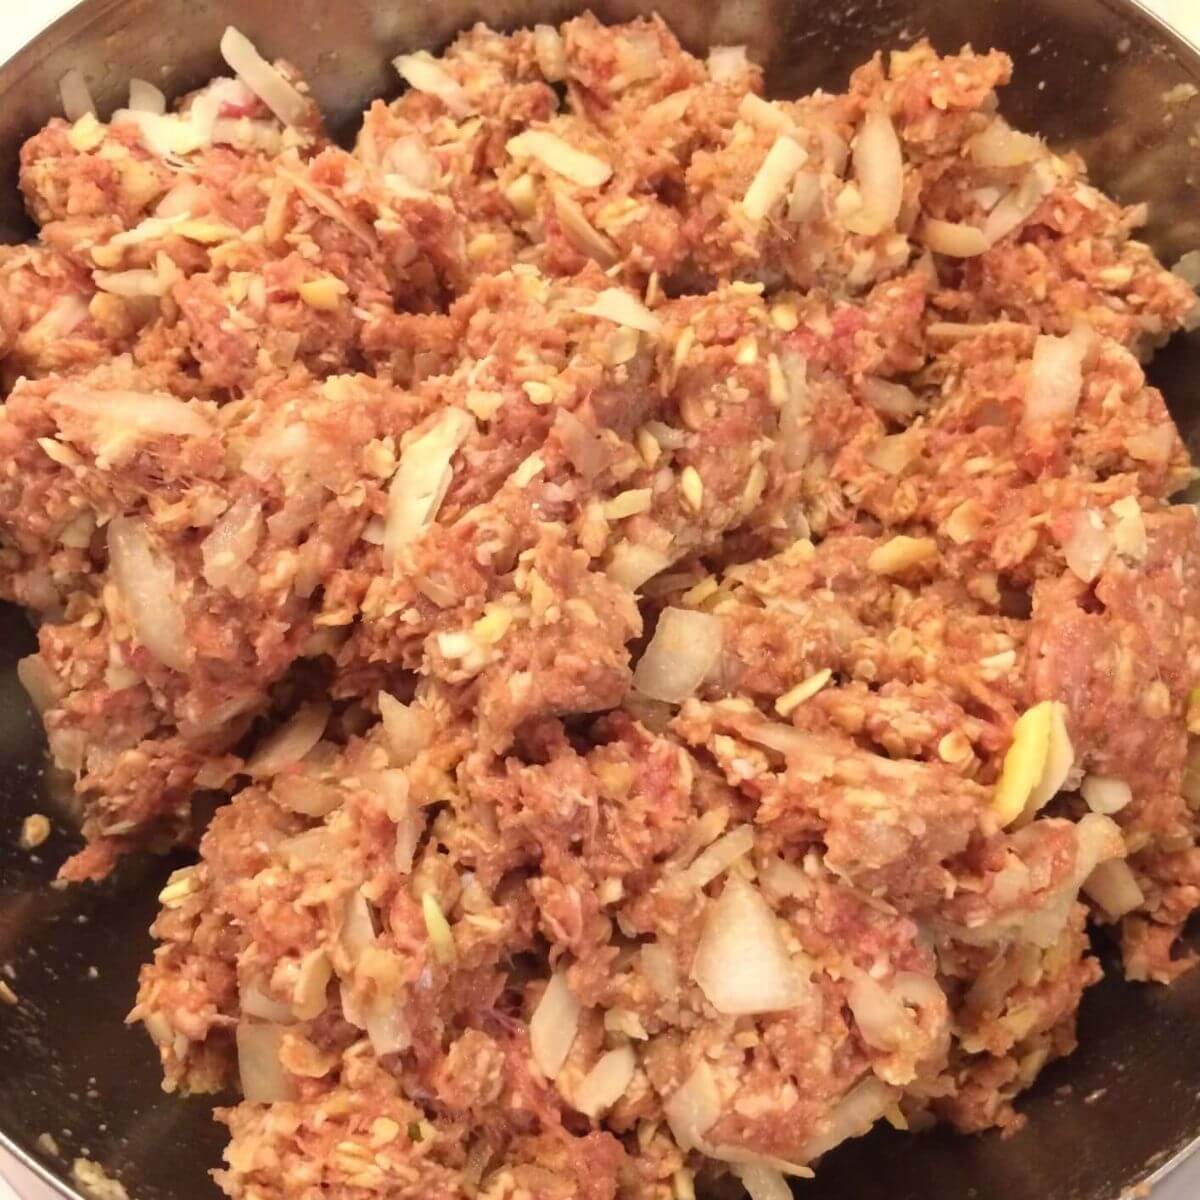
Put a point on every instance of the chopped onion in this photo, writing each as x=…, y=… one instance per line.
x=263, y=79
x=325, y=203
x=879, y=171
x=1112, y=886
x=693, y=1108
x=424, y=73
x=61, y=319
x=784, y=878
x=422, y=480
x=145, y=97
x=1060, y=759
x=407, y=727
x=955, y=240
x=581, y=233
x=227, y=549
x=561, y=157
x=75, y=95
x=288, y=744
x=40, y=683
x=358, y=929
x=851, y=1117
x=584, y=447
x=1102, y=793
x=764, y=1183
x=145, y=578
x=1019, y=204
x=171, y=134
x=633, y=565
x=264, y=1080
x=605, y=1083
x=755, y=110
x=312, y=846
x=411, y=157
x=718, y=858
x=727, y=63
x=1097, y=839
x=254, y=1002
x=685, y=648
x=888, y=398
x=1088, y=546
x=769, y=185
x=309, y=797
x=388, y=1029
x=441, y=936
x=551, y=53
x=1056, y=375
x=622, y=308
x=804, y=197
x=742, y=964
x=312, y=980
x=999, y=145
x=553, y=1026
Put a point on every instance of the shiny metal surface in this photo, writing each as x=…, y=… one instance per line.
x=1091, y=74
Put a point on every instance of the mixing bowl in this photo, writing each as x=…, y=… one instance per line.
x=1095, y=75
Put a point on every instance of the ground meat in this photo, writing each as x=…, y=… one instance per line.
x=659, y=660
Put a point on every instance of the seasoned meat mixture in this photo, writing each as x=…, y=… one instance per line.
x=673, y=599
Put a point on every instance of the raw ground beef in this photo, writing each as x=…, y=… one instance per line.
x=673, y=599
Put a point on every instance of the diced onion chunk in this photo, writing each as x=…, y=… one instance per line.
x=145, y=578
x=559, y=156
x=263, y=1078
x=263, y=79
x=685, y=648
x=605, y=1083
x=553, y=1026
x=288, y=744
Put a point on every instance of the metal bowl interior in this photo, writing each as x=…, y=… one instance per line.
x=1091, y=74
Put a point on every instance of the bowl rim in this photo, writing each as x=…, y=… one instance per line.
x=87, y=12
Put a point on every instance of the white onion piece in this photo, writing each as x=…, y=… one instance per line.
x=171, y=133
x=581, y=233
x=288, y=744
x=424, y=73
x=145, y=97
x=551, y=53
x=411, y=157
x=1088, y=546
x=145, y=578
x=718, y=858
x=264, y=1081
x=764, y=1183
x=408, y=728
x=1104, y=794
x=61, y=319
x=234, y=538
x=388, y=1029
x=1060, y=759
x=693, y=1108
x=323, y=202
x=805, y=196
x=1056, y=375
x=422, y=480
x=633, y=565
x=75, y=95
x=554, y=1025
x=784, y=878
x=999, y=145
x=586, y=449
x=727, y=63
x=783, y=739
x=1019, y=204
x=263, y=79
x=658, y=964
x=851, y=1117
x=312, y=980
x=605, y=1083
x=309, y=797
x=358, y=929
x=254, y=1002
x=954, y=240
x=755, y=110
x=1113, y=887
x=769, y=185
x=561, y=157
x=889, y=398
x=742, y=964
x=622, y=308
x=879, y=171
x=685, y=648
x=40, y=683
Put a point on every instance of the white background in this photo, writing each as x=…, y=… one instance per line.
x=18, y=27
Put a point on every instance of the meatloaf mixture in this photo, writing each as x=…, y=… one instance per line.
x=661, y=609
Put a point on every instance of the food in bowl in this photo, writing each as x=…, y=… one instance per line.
x=667, y=603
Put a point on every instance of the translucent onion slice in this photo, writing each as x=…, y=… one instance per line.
x=633, y=565
x=424, y=73
x=685, y=648
x=407, y=727
x=622, y=308
x=40, y=683
x=1017, y=205
x=852, y=1116
x=75, y=95
x=770, y=184
x=551, y=53
x=288, y=744
x=742, y=964
x=581, y=233
x=693, y=1108
x=1060, y=759
x=1102, y=794
x=1113, y=887
x=263, y=1078
x=718, y=858
x=605, y=1083
x=422, y=480
x=145, y=97
x=727, y=63
x=312, y=980
x=1088, y=546
x=999, y=145
x=658, y=964
x=254, y=1002
x=879, y=171
x=145, y=578
x=554, y=1025
x=263, y=79
x=234, y=538
x=1056, y=375
x=561, y=157
x=764, y=1183
x=953, y=240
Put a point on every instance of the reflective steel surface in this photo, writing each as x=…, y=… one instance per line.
x=1091, y=74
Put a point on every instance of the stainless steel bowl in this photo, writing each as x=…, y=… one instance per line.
x=1091, y=74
